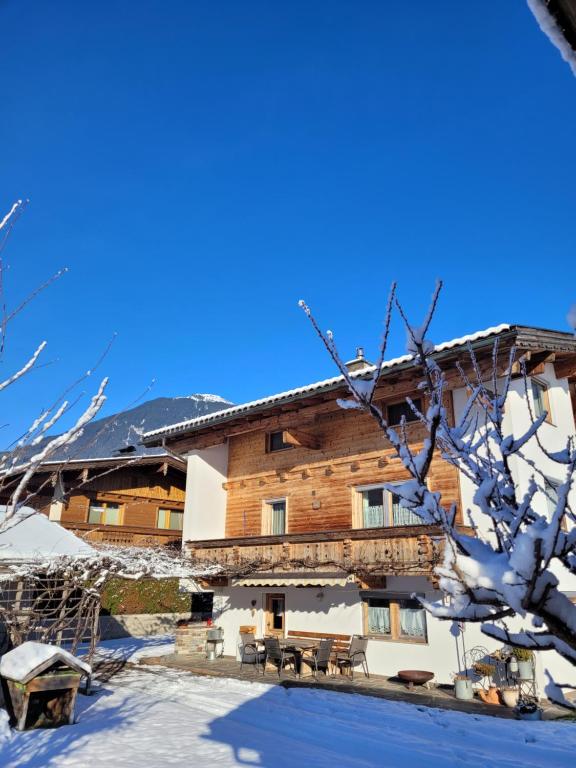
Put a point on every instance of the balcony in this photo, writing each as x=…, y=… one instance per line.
x=124, y=535
x=408, y=550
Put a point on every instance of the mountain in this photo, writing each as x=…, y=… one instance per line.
x=120, y=434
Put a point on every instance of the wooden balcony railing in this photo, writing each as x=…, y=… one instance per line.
x=410, y=550
x=126, y=535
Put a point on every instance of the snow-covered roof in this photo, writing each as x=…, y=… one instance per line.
x=31, y=658
x=227, y=413
x=30, y=535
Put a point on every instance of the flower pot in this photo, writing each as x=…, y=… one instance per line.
x=510, y=696
x=525, y=670
x=463, y=689
x=532, y=713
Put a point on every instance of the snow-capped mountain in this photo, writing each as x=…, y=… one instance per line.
x=120, y=434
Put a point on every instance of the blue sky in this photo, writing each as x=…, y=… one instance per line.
x=199, y=167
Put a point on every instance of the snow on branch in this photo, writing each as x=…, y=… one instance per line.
x=549, y=26
x=506, y=562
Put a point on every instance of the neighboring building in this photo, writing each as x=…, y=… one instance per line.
x=287, y=493
x=107, y=486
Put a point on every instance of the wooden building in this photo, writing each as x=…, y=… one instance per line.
x=287, y=494
x=132, y=501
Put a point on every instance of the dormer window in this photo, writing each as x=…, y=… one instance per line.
x=275, y=442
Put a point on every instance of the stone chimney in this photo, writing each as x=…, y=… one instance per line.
x=358, y=362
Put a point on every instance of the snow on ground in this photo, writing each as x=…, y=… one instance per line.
x=157, y=717
x=134, y=648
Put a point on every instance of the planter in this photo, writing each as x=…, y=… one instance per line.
x=510, y=696
x=463, y=689
x=525, y=670
x=528, y=712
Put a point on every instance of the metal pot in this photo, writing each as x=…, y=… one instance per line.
x=525, y=670
x=463, y=689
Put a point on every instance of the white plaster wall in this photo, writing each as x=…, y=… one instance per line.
x=339, y=610
x=205, y=505
x=554, y=437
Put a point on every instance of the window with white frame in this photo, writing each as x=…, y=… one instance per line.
x=274, y=522
x=104, y=513
x=394, y=618
x=540, y=399
x=377, y=507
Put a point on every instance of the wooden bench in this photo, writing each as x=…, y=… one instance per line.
x=341, y=642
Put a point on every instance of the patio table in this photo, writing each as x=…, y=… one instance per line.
x=299, y=646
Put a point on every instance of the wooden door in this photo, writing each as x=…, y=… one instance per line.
x=274, y=617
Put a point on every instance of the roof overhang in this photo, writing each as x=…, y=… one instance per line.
x=292, y=580
x=523, y=337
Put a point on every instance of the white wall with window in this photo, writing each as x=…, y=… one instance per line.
x=422, y=642
x=374, y=506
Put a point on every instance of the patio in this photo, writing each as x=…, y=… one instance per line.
x=377, y=686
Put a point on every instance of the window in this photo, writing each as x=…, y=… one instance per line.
x=275, y=442
x=378, y=507
x=397, y=410
x=274, y=517
x=104, y=513
x=540, y=398
x=172, y=519
x=394, y=618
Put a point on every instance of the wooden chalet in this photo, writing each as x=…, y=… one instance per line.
x=286, y=493
x=131, y=501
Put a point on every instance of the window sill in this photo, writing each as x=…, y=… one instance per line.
x=403, y=640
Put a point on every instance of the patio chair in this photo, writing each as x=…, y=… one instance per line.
x=319, y=658
x=278, y=656
x=251, y=652
x=355, y=656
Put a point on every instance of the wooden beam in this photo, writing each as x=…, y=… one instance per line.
x=301, y=439
x=566, y=367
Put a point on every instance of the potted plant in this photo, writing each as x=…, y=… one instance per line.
x=510, y=696
x=463, y=687
x=527, y=709
x=525, y=659
x=484, y=669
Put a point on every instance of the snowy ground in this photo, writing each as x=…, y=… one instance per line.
x=157, y=717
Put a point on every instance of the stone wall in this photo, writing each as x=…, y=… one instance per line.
x=139, y=624
x=191, y=638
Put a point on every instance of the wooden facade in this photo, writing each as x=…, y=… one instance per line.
x=319, y=485
x=138, y=488
x=326, y=457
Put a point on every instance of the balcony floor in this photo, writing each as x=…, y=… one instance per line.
x=377, y=686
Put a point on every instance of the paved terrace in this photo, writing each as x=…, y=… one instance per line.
x=378, y=686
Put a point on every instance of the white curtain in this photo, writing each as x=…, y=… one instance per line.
x=413, y=622
x=373, y=508
x=379, y=620
x=401, y=515
x=278, y=518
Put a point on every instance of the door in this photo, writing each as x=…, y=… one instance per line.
x=274, y=618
